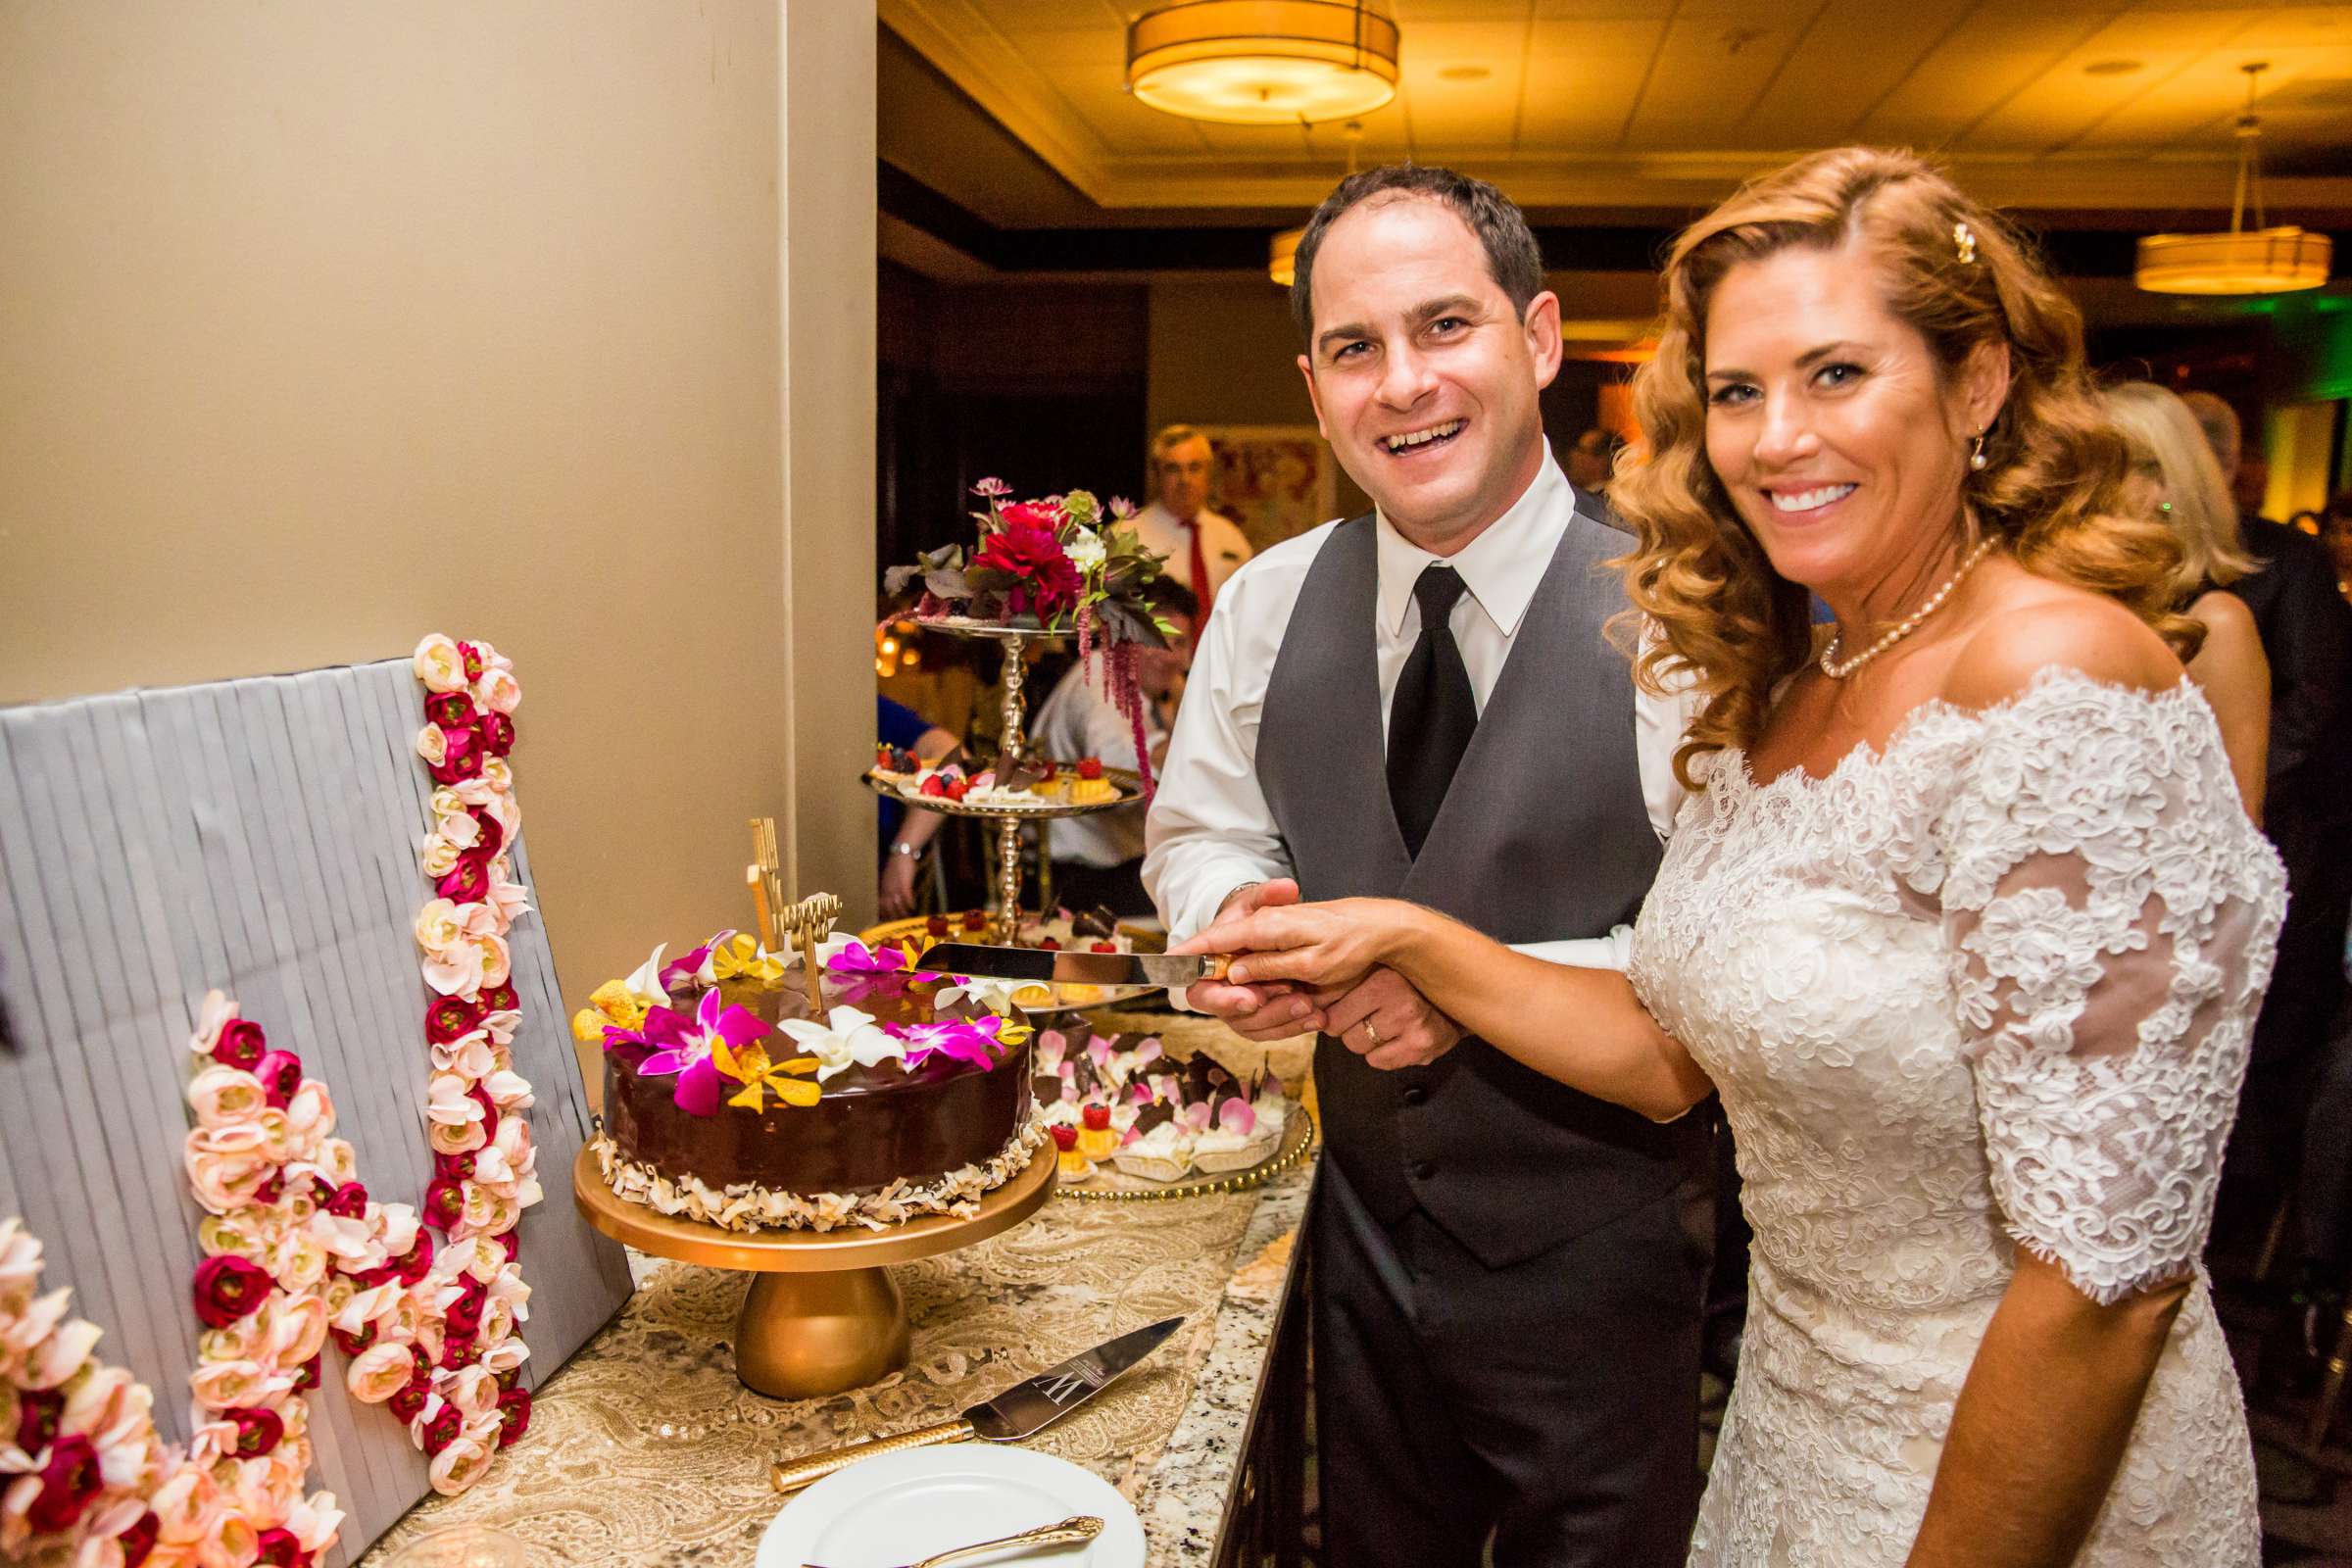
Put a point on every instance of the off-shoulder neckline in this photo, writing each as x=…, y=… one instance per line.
x=1864, y=757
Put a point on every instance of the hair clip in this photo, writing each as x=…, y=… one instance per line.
x=1963, y=239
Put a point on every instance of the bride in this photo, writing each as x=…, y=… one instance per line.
x=1964, y=921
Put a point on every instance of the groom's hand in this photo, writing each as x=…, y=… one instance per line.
x=1389, y=1024
x=1273, y=1010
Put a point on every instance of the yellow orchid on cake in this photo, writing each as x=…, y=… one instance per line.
x=751, y=1067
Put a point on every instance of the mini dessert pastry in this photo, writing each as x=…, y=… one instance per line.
x=730, y=1101
x=1076, y=1167
x=1126, y=1102
x=1088, y=931
x=1026, y=786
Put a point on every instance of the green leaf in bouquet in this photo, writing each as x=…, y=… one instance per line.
x=1125, y=622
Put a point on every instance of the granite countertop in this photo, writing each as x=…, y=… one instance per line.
x=645, y=1449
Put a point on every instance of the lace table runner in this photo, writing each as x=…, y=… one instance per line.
x=646, y=1449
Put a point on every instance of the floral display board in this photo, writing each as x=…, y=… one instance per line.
x=259, y=837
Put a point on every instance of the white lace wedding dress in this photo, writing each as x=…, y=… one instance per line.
x=1989, y=989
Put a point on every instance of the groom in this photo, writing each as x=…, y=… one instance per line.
x=1420, y=703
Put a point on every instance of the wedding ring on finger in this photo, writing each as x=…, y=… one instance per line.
x=1371, y=1034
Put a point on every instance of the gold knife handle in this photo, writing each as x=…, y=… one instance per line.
x=801, y=1472
x=1214, y=964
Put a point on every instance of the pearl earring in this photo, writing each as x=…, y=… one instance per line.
x=1976, y=457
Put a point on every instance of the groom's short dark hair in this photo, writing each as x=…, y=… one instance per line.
x=1502, y=228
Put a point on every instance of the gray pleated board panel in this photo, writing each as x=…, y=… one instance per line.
x=259, y=837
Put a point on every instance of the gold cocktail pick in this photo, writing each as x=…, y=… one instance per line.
x=811, y=921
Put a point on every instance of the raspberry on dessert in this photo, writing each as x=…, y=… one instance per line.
x=1066, y=1136
x=1098, y=1118
x=936, y=925
x=959, y=787
x=935, y=787
x=1089, y=767
x=975, y=919
x=1050, y=767
x=1106, y=946
x=1049, y=944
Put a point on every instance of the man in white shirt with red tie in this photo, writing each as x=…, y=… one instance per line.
x=1203, y=548
x=1423, y=703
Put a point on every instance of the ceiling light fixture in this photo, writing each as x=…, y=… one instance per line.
x=2245, y=261
x=1264, y=62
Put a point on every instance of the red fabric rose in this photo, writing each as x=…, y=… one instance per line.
x=281, y=1073
x=468, y=881
x=241, y=1044
x=481, y=1097
x=282, y=1548
x=509, y=1378
x=459, y=1350
x=272, y=1188
x=349, y=1202
x=415, y=1263
x=309, y=1375
x=444, y=1203
x=452, y=710
x=351, y=1344
x=473, y=657
x=408, y=1403
x=257, y=1430
x=38, y=1411
x=463, y=1317
x=512, y=1240
x=68, y=1481
x=1029, y=552
x=139, y=1540
x=461, y=758
x=498, y=733
x=445, y=1427
x=450, y=1018
x=228, y=1288
x=456, y=1167
x=494, y=834
x=502, y=998
x=514, y=1416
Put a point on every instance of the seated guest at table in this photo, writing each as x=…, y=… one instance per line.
x=1507, y=1273
x=904, y=833
x=1203, y=548
x=1962, y=918
x=2176, y=480
x=1097, y=858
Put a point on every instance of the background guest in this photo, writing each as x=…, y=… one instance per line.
x=2306, y=631
x=904, y=833
x=1098, y=858
x=1203, y=548
x=1590, y=459
x=2175, y=477
x=2335, y=535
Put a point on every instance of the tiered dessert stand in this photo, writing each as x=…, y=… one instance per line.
x=1017, y=641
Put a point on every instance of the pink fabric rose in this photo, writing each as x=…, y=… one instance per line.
x=439, y=665
x=379, y=1372
x=222, y=1095
x=457, y=1467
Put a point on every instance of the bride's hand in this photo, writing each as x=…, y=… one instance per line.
x=1323, y=946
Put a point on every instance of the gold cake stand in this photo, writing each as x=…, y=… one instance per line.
x=823, y=1313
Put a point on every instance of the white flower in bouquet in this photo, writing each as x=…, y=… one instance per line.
x=1085, y=550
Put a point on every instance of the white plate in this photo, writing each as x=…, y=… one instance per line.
x=901, y=1507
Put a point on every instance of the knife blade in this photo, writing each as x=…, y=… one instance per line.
x=1048, y=964
x=1025, y=1408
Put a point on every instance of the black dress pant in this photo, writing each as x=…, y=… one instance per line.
x=1553, y=1403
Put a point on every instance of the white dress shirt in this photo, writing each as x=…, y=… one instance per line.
x=1210, y=829
x=1077, y=720
x=1224, y=547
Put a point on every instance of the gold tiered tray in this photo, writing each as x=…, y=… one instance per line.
x=823, y=1313
x=1130, y=786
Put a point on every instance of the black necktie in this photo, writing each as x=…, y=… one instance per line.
x=1432, y=713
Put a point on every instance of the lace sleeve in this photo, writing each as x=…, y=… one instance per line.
x=2110, y=916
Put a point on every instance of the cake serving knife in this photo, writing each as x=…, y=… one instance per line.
x=1020, y=1411
x=1047, y=966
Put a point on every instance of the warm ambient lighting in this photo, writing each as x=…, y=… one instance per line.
x=2243, y=261
x=1262, y=61
x=1282, y=257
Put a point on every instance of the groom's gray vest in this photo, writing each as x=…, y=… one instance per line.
x=1543, y=836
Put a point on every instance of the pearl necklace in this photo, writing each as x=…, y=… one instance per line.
x=1905, y=626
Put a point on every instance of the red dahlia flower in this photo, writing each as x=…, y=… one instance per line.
x=1027, y=552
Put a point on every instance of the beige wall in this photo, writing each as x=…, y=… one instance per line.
x=547, y=322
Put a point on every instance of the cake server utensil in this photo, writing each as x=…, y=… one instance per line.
x=1047, y=966
x=1018, y=1413
x=1077, y=1527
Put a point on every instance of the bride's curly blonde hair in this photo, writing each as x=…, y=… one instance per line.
x=2050, y=488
